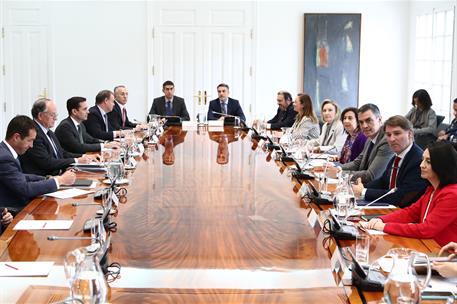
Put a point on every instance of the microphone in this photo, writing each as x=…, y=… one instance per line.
x=76, y=204
x=69, y=238
x=169, y=116
x=382, y=196
x=223, y=114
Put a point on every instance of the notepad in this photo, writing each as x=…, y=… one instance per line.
x=68, y=193
x=25, y=269
x=43, y=225
x=81, y=183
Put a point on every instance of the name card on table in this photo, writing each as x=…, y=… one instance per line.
x=188, y=125
x=312, y=218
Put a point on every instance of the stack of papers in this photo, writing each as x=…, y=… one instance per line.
x=68, y=193
x=43, y=225
x=25, y=269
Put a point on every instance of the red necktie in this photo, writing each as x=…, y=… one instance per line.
x=393, y=177
x=124, y=115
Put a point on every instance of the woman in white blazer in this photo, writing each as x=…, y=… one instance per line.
x=332, y=134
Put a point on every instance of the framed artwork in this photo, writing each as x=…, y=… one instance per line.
x=332, y=58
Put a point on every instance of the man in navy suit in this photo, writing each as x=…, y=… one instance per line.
x=97, y=123
x=72, y=133
x=224, y=104
x=16, y=187
x=402, y=171
x=47, y=157
x=169, y=104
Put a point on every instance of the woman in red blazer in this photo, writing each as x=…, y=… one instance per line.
x=434, y=215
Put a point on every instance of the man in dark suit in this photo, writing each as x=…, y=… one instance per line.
x=97, y=123
x=224, y=104
x=403, y=170
x=169, y=104
x=371, y=163
x=72, y=133
x=118, y=116
x=285, y=116
x=47, y=157
x=16, y=187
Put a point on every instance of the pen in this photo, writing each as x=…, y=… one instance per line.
x=44, y=225
x=12, y=267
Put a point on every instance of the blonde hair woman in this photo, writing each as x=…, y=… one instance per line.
x=333, y=133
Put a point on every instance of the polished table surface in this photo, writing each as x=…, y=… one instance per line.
x=208, y=217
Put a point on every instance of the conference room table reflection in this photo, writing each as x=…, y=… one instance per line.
x=197, y=230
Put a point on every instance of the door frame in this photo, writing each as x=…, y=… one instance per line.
x=152, y=92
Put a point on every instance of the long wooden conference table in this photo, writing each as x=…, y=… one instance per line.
x=209, y=217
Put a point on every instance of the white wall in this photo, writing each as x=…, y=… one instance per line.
x=98, y=45
x=383, y=59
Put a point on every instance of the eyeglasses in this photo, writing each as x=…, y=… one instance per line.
x=53, y=115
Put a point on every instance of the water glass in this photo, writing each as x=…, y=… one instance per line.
x=362, y=248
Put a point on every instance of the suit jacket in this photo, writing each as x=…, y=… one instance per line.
x=68, y=136
x=336, y=136
x=283, y=118
x=372, y=167
x=115, y=118
x=41, y=160
x=17, y=188
x=95, y=125
x=410, y=185
x=178, y=104
x=233, y=108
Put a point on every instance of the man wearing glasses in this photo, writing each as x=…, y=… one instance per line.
x=47, y=157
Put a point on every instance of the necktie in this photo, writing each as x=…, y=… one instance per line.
x=168, y=108
x=224, y=107
x=393, y=177
x=124, y=117
x=105, y=119
x=370, y=148
x=18, y=163
x=53, y=144
x=80, y=134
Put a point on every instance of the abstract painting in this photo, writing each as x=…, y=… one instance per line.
x=332, y=58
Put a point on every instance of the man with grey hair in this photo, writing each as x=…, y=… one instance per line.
x=403, y=170
x=372, y=162
x=118, y=116
x=47, y=157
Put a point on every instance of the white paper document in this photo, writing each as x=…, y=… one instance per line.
x=43, y=225
x=216, y=123
x=25, y=269
x=189, y=125
x=72, y=192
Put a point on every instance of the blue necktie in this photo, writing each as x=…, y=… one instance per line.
x=168, y=108
x=224, y=107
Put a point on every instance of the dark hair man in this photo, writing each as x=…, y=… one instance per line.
x=169, y=104
x=372, y=162
x=16, y=187
x=403, y=170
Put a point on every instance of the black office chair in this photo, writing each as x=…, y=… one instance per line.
x=439, y=120
x=423, y=140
